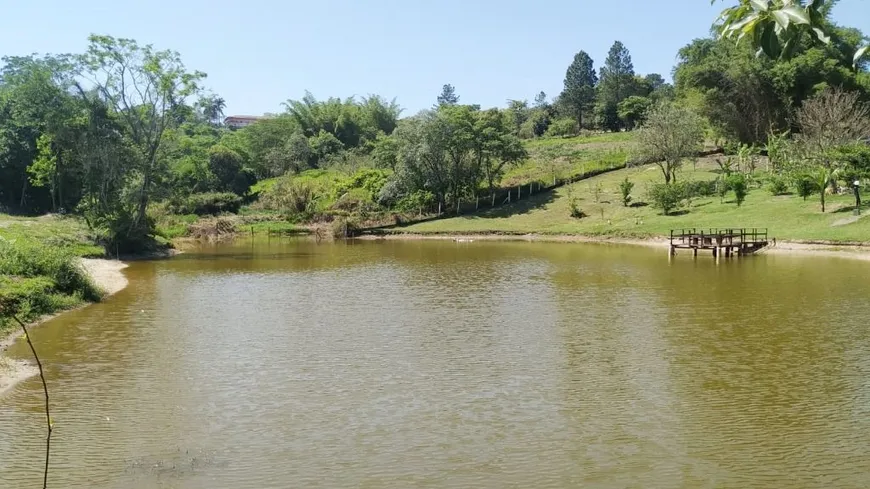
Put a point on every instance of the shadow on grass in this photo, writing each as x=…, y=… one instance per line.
x=524, y=206
x=851, y=208
x=681, y=212
x=638, y=204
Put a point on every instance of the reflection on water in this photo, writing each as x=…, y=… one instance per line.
x=437, y=364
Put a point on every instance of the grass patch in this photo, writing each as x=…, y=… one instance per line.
x=786, y=216
x=68, y=233
x=37, y=279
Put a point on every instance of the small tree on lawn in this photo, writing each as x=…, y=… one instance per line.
x=737, y=183
x=666, y=197
x=625, y=188
x=670, y=135
x=805, y=186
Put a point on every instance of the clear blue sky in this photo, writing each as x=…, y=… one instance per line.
x=260, y=53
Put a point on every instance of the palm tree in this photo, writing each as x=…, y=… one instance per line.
x=212, y=108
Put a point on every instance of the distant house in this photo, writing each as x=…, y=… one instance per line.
x=239, y=121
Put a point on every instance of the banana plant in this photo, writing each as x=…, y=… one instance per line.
x=774, y=27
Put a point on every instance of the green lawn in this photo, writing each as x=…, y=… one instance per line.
x=67, y=233
x=786, y=217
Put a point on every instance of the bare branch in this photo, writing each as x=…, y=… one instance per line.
x=48, y=422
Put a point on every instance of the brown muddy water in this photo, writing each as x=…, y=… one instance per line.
x=461, y=365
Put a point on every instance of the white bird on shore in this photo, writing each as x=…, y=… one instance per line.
x=463, y=240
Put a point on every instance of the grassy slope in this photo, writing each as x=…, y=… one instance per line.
x=787, y=217
x=37, y=273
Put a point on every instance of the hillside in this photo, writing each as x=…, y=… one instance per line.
x=786, y=216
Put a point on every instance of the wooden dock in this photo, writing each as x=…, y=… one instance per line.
x=727, y=242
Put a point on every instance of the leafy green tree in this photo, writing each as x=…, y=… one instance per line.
x=385, y=151
x=226, y=165
x=518, y=112
x=541, y=102
x=734, y=89
x=737, y=183
x=140, y=85
x=325, y=144
x=580, y=82
x=670, y=135
x=805, y=185
x=448, y=95
x=495, y=147
x=632, y=110
x=36, y=107
x=776, y=27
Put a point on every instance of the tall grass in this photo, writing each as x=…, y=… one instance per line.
x=37, y=279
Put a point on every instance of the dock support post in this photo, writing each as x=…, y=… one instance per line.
x=695, y=252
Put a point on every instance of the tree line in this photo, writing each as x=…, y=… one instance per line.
x=108, y=132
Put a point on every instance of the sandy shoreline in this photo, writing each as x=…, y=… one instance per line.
x=106, y=274
x=849, y=251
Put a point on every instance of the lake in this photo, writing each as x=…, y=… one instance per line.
x=462, y=365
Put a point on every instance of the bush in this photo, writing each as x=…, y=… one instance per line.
x=295, y=198
x=699, y=188
x=737, y=183
x=37, y=280
x=417, y=201
x=211, y=203
x=29, y=260
x=367, y=179
x=777, y=185
x=666, y=197
x=806, y=186
x=625, y=188
x=562, y=127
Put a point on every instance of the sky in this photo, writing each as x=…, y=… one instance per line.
x=258, y=54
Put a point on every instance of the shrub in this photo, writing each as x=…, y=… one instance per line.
x=625, y=188
x=37, y=280
x=777, y=185
x=721, y=188
x=574, y=205
x=367, y=179
x=295, y=198
x=699, y=188
x=805, y=186
x=29, y=260
x=562, y=127
x=211, y=203
x=737, y=183
x=417, y=201
x=666, y=197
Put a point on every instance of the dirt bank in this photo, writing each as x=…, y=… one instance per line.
x=839, y=250
x=106, y=274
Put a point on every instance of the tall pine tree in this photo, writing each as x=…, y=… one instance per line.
x=448, y=95
x=580, y=80
x=617, y=82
